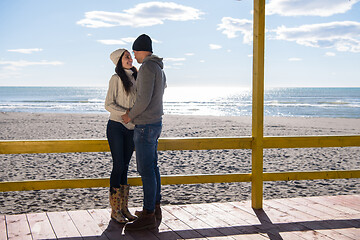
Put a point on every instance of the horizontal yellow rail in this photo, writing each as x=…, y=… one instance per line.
x=53, y=146
x=172, y=180
x=134, y=181
x=204, y=143
x=312, y=141
x=101, y=145
x=312, y=175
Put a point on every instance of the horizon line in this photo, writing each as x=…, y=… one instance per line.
x=185, y=86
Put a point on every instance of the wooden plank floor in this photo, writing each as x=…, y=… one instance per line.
x=327, y=217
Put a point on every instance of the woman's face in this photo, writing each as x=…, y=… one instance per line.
x=127, y=60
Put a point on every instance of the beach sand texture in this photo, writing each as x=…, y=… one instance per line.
x=16, y=167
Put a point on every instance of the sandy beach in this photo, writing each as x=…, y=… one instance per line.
x=17, y=126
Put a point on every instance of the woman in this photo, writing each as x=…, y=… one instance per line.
x=119, y=99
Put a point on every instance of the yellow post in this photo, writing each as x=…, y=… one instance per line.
x=258, y=104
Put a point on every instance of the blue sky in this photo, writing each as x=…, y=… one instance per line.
x=309, y=43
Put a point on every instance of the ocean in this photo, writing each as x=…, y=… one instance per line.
x=214, y=101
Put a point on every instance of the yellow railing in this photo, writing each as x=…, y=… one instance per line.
x=257, y=142
x=166, y=144
x=101, y=145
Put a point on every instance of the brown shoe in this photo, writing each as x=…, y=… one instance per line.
x=158, y=214
x=145, y=221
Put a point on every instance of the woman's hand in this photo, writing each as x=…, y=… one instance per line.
x=126, y=118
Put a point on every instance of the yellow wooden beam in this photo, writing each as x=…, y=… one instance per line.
x=312, y=175
x=311, y=141
x=53, y=184
x=53, y=146
x=205, y=178
x=175, y=179
x=204, y=143
x=101, y=145
x=134, y=181
x=258, y=103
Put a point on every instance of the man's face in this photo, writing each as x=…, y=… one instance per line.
x=138, y=56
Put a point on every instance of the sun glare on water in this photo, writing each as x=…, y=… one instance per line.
x=201, y=94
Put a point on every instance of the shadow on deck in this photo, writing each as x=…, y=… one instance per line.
x=326, y=217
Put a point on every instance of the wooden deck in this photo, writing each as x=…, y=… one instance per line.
x=329, y=217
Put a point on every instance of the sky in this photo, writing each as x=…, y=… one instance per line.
x=309, y=43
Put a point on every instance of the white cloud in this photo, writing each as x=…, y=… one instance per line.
x=321, y=8
x=122, y=41
x=112, y=42
x=174, y=59
x=214, y=46
x=330, y=54
x=10, y=74
x=15, y=65
x=342, y=36
x=132, y=39
x=231, y=26
x=295, y=59
x=174, y=63
x=25, y=50
x=142, y=15
x=152, y=39
x=189, y=54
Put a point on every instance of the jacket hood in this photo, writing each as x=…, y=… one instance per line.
x=155, y=59
x=115, y=55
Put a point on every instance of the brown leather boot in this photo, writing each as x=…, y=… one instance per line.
x=116, y=214
x=145, y=221
x=124, y=198
x=158, y=214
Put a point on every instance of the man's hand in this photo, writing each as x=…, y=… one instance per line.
x=126, y=118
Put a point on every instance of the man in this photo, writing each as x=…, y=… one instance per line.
x=146, y=114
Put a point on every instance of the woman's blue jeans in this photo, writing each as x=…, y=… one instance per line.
x=146, y=143
x=121, y=145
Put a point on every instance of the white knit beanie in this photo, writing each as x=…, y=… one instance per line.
x=115, y=55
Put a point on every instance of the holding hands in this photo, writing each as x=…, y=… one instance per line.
x=125, y=117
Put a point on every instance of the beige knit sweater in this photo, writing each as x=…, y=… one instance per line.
x=117, y=101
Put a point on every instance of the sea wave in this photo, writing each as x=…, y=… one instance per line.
x=62, y=101
x=304, y=102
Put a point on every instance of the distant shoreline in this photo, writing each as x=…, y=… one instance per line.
x=17, y=167
x=187, y=86
x=195, y=101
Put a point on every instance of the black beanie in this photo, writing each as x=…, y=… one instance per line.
x=142, y=43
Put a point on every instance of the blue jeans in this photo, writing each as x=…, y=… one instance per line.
x=121, y=145
x=146, y=143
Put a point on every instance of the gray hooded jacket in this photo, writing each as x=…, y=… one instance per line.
x=150, y=85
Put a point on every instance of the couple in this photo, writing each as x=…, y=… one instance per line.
x=135, y=102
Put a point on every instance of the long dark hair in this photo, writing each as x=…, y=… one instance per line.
x=124, y=78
